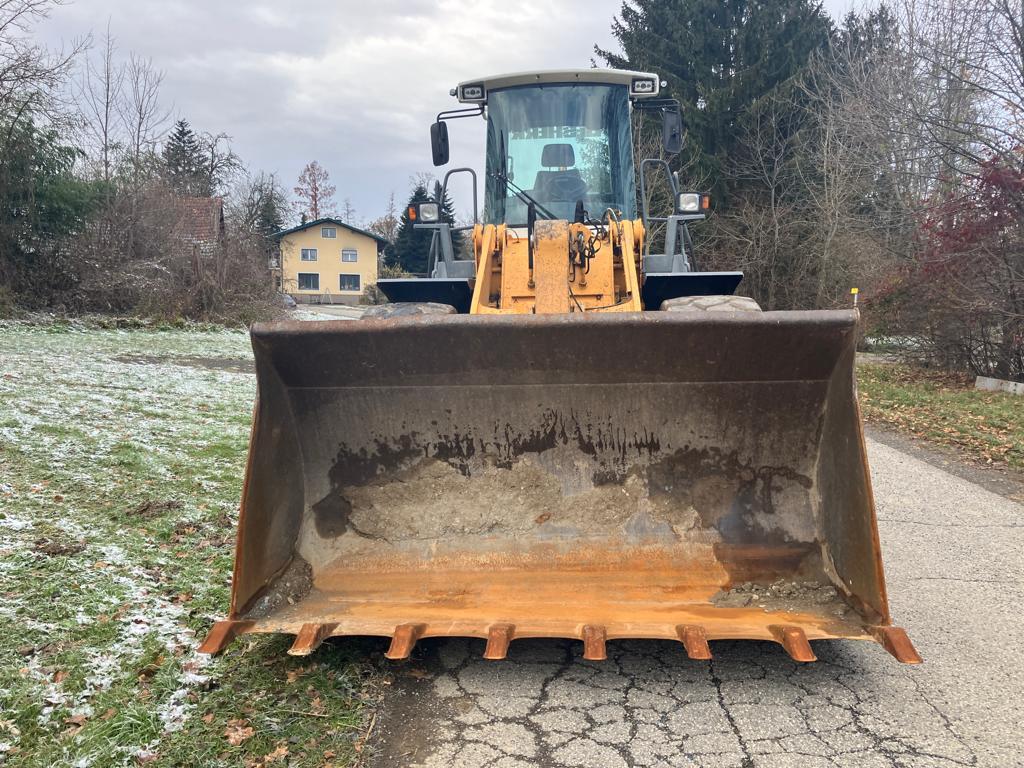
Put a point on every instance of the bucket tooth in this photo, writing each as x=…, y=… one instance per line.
x=309, y=638
x=402, y=642
x=221, y=634
x=498, y=638
x=695, y=641
x=896, y=642
x=794, y=641
x=594, y=637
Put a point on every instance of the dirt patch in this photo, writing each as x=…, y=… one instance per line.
x=784, y=595
x=152, y=508
x=406, y=731
x=289, y=588
x=56, y=548
x=231, y=364
x=434, y=501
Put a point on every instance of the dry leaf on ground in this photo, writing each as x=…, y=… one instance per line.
x=237, y=732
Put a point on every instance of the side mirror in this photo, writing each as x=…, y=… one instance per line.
x=672, y=132
x=439, y=142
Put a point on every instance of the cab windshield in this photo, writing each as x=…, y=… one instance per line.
x=559, y=144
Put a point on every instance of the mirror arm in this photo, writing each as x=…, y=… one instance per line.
x=657, y=105
x=455, y=114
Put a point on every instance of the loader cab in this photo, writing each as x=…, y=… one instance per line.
x=559, y=144
x=557, y=138
x=559, y=147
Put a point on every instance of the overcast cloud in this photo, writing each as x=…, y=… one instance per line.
x=353, y=85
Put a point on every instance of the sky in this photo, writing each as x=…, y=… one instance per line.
x=351, y=84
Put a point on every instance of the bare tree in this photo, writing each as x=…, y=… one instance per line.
x=99, y=94
x=758, y=232
x=950, y=112
x=143, y=120
x=387, y=225
x=258, y=204
x=222, y=164
x=29, y=74
x=315, y=192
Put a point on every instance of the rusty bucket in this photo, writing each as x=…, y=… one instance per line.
x=687, y=476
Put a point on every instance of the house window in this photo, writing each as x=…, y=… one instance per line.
x=350, y=255
x=308, y=254
x=309, y=281
x=329, y=232
x=348, y=282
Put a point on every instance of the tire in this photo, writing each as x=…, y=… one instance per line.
x=407, y=309
x=710, y=304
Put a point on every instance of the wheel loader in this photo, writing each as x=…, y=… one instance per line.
x=561, y=431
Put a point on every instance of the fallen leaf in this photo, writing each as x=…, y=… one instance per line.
x=208, y=717
x=108, y=714
x=237, y=732
x=60, y=676
x=75, y=723
x=278, y=754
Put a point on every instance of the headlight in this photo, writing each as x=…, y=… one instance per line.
x=429, y=213
x=643, y=86
x=688, y=202
x=473, y=92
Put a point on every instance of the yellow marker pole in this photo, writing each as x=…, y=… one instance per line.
x=854, y=292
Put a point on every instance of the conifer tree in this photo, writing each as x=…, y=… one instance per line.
x=412, y=246
x=186, y=164
x=719, y=57
x=448, y=214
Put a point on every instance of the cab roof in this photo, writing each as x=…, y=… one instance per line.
x=605, y=76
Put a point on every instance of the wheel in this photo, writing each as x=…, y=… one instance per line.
x=710, y=304
x=407, y=309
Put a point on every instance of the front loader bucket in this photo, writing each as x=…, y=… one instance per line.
x=683, y=475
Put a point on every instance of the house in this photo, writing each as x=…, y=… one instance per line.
x=326, y=261
x=200, y=224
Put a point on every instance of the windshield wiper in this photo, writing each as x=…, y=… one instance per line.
x=520, y=193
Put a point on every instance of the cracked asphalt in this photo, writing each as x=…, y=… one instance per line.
x=954, y=559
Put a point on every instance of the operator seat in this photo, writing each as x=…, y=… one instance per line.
x=564, y=185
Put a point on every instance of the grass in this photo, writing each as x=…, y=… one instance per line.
x=102, y=609
x=945, y=409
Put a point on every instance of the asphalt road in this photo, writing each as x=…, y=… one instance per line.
x=954, y=558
